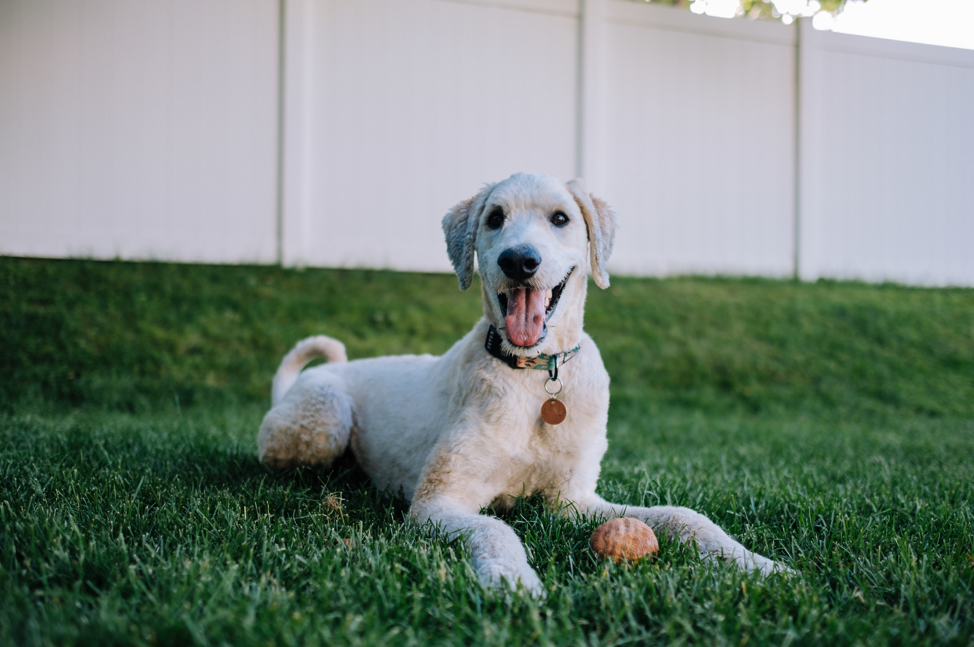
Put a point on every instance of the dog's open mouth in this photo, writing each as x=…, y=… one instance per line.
x=527, y=310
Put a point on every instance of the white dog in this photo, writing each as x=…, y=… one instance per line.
x=458, y=433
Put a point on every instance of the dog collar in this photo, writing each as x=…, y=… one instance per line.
x=542, y=362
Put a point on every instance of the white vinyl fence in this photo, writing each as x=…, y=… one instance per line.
x=887, y=163
x=337, y=133
x=699, y=142
x=139, y=129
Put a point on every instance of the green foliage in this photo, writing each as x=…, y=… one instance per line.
x=829, y=426
x=763, y=9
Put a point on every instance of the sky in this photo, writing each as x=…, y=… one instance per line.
x=935, y=22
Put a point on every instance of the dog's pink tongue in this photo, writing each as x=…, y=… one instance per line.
x=525, y=316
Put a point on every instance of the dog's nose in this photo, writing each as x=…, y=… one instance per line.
x=519, y=263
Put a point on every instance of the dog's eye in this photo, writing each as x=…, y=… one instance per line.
x=558, y=219
x=495, y=219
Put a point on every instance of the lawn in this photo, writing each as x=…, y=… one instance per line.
x=828, y=425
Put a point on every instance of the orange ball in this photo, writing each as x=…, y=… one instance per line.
x=624, y=539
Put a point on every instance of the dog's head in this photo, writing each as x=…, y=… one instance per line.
x=534, y=238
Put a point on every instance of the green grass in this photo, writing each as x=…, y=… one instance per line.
x=828, y=425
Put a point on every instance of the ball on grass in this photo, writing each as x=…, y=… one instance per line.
x=624, y=539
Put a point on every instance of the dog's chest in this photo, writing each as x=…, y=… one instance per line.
x=506, y=448
x=531, y=456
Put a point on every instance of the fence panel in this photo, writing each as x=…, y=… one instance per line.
x=411, y=105
x=887, y=184
x=699, y=142
x=139, y=129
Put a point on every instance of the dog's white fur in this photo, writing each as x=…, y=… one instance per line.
x=458, y=433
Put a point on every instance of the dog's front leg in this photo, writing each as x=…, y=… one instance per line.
x=686, y=525
x=498, y=555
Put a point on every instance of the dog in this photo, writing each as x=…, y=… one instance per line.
x=518, y=406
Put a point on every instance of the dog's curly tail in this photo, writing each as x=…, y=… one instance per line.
x=306, y=350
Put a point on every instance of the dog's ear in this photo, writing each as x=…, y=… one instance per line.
x=601, y=223
x=460, y=228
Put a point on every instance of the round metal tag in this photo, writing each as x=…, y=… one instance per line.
x=553, y=412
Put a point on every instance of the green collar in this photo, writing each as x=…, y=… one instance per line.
x=542, y=362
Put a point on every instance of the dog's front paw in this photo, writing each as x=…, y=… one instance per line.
x=497, y=575
x=766, y=566
x=758, y=563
